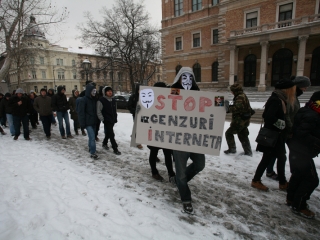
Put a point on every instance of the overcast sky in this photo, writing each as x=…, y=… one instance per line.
x=66, y=34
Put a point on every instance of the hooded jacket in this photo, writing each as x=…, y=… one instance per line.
x=4, y=105
x=87, y=106
x=107, y=108
x=20, y=110
x=177, y=82
x=59, y=101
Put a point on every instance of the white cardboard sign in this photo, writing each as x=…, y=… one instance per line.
x=178, y=119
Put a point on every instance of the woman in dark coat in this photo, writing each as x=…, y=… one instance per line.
x=304, y=146
x=274, y=119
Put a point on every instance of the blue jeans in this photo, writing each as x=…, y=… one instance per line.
x=10, y=122
x=25, y=123
x=91, y=132
x=185, y=173
x=65, y=116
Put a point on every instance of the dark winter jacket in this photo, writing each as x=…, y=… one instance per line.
x=72, y=106
x=59, y=101
x=20, y=110
x=272, y=112
x=306, y=136
x=4, y=106
x=107, y=110
x=43, y=105
x=50, y=94
x=87, y=106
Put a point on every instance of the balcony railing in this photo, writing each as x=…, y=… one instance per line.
x=276, y=25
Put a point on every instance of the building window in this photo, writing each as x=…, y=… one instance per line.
x=43, y=73
x=196, y=40
x=197, y=72
x=178, y=43
x=104, y=75
x=42, y=60
x=74, y=73
x=119, y=76
x=178, y=8
x=285, y=12
x=196, y=5
x=75, y=87
x=34, y=74
x=251, y=19
x=73, y=63
x=215, y=66
x=59, y=62
x=60, y=74
x=215, y=36
x=178, y=68
x=215, y=2
x=32, y=60
x=36, y=89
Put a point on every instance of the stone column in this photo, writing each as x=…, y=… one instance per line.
x=263, y=66
x=231, y=65
x=301, y=54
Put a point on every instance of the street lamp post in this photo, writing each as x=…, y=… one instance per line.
x=86, y=64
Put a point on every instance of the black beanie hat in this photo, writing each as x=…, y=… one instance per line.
x=160, y=84
x=315, y=96
x=43, y=89
x=7, y=95
x=107, y=89
x=284, y=84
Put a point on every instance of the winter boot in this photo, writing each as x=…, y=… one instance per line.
x=303, y=212
x=230, y=150
x=273, y=176
x=157, y=177
x=259, y=185
x=83, y=133
x=77, y=132
x=247, y=149
x=187, y=208
x=284, y=186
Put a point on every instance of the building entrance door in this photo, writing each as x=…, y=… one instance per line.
x=281, y=65
x=315, y=68
x=250, y=65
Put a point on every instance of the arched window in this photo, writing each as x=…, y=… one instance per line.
x=250, y=66
x=281, y=65
x=315, y=65
x=214, y=76
x=178, y=67
x=197, y=72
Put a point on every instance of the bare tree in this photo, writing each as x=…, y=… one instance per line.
x=125, y=34
x=14, y=18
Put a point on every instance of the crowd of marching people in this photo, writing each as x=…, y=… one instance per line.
x=295, y=126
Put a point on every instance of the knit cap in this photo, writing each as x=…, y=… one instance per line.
x=302, y=81
x=19, y=90
x=284, y=84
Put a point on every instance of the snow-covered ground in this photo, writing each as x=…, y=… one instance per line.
x=51, y=189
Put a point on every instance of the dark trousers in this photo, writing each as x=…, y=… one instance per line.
x=265, y=161
x=46, y=124
x=97, y=127
x=17, y=120
x=108, y=128
x=33, y=119
x=3, y=120
x=167, y=157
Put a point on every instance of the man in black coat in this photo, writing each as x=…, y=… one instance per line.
x=304, y=146
x=107, y=113
x=21, y=108
x=60, y=105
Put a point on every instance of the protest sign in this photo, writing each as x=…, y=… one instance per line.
x=178, y=119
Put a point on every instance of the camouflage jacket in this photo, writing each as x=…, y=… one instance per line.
x=240, y=106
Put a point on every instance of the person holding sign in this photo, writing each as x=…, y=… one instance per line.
x=185, y=80
x=239, y=123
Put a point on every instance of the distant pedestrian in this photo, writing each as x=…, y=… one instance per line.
x=21, y=107
x=74, y=114
x=107, y=113
x=42, y=105
x=239, y=123
x=50, y=94
x=6, y=110
x=87, y=115
x=33, y=117
x=60, y=106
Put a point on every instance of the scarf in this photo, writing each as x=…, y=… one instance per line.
x=315, y=106
x=282, y=96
